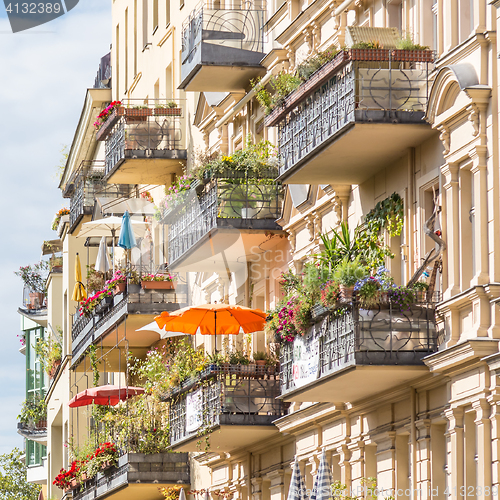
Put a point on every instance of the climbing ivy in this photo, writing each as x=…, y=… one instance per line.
x=388, y=215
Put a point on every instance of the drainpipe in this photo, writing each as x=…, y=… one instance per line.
x=342, y=7
x=413, y=435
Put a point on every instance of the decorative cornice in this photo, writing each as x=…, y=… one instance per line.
x=461, y=354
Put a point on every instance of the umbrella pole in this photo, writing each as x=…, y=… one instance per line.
x=215, y=330
x=113, y=231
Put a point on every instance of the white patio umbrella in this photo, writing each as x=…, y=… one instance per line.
x=153, y=327
x=109, y=225
x=102, y=262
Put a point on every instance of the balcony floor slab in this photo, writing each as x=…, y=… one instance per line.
x=219, y=78
x=356, y=153
x=228, y=438
x=137, y=168
x=227, y=247
x=353, y=383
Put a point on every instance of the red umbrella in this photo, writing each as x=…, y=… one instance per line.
x=104, y=395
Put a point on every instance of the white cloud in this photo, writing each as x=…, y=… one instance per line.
x=45, y=73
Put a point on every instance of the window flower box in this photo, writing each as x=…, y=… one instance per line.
x=168, y=111
x=157, y=285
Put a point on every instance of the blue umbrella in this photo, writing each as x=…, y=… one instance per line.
x=323, y=485
x=297, y=490
x=127, y=238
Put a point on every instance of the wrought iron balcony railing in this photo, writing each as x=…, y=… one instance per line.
x=87, y=329
x=159, y=469
x=222, y=33
x=358, y=86
x=154, y=131
x=387, y=336
x=85, y=184
x=230, y=199
x=36, y=432
x=224, y=399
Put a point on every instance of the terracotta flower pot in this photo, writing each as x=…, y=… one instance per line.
x=168, y=111
x=120, y=288
x=55, y=365
x=346, y=293
x=260, y=368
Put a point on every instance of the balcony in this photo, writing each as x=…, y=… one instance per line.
x=137, y=309
x=145, y=144
x=356, y=355
x=362, y=97
x=220, y=226
x=222, y=46
x=141, y=474
x=225, y=411
x=36, y=432
x=85, y=184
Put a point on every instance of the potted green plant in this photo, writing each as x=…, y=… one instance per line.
x=368, y=291
x=34, y=412
x=134, y=281
x=420, y=291
x=347, y=273
x=49, y=351
x=137, y=113
x=34, y=278
x=260, y=360
x=170, y=108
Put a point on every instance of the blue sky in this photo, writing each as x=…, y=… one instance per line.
x=44, y=73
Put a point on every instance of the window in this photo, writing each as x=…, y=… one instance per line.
x=144, y=23
x=155, y=15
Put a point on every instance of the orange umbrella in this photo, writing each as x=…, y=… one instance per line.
x=213, y=319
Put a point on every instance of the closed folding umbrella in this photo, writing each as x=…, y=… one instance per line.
x=102, y=263
x=106, y=226
x=79, y=293
x=297, y=490
x=106, y=395
x=127, y=238
x=182, y=494
x=323, y=485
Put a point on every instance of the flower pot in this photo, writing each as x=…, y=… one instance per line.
x=73, y=484
x=248, y=213
x=106, y=465
x=369, y=54
x=225, y=368
x=248, y=371
x=260, y=368
x=133, y=115
x=120, y=288
x=53, y=370
x=272, y=370
x=234, y=369
x=158, y=285
x=420, y=295
x=413, y=55
x=41, y=424
x=134, y=288
x=346, y=293
x=168, y=111
x=36, y=300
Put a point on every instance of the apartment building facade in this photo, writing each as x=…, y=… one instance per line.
x=407, y=397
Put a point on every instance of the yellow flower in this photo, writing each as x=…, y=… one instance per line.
x=227, y=159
